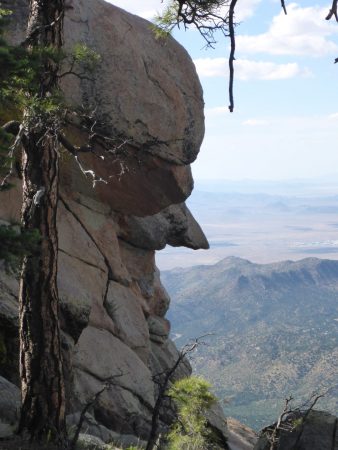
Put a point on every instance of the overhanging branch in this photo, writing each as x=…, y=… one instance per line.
x=232, y=53
x=333, y=11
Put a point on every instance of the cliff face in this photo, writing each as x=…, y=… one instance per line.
x=113, y=304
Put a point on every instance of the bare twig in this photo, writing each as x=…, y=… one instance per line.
x=80, y=76
x=333, y=11
x=204, y=16
x=290, y=418
x=107, y=385
x=207, y=20
x=73, y=149
x=91, y=173
x=13, y=148
x=162, y=380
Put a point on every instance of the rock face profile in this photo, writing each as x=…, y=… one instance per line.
x=113, y=304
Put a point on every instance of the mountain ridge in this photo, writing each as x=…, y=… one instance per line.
x=275, y=330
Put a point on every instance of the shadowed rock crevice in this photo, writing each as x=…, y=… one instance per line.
x=86, y=230
x=82, y=260
x=117, y=384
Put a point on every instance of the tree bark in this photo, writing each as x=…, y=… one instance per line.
x=43, y=393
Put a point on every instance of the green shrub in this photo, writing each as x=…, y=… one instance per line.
x=15, y=244
x=192, y=398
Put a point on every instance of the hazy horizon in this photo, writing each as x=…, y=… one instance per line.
x=262, y=221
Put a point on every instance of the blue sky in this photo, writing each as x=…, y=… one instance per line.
x=285, y=124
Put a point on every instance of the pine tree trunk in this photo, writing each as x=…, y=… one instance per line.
x=43, y=394
x=40, y=351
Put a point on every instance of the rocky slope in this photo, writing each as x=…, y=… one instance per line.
x=113, y=304
x=275, y=331
x=315, y=431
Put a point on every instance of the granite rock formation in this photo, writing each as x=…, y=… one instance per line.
x=145, y=92
x=113, y=304
x=318, y=431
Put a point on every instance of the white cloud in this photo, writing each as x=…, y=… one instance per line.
x=211, y=67
x=216, y=111
x=333, y=116
x=249, y=70
x=145, y=8
x=255, y=122
x=262, y=70
x=149, y=8
x=304, y=31
x=246, y=9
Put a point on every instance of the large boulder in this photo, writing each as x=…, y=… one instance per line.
x=125, y=310
x=147, y=99
x=147, y=88
x=9, y=408
x=9, y=326
x=240, y=437
x=316, y=430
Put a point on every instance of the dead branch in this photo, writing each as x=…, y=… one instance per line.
x=163, y=380
x=205, y=17
x=11, y=127
x=73, y=149
x=96, y=179
x=333, y=11
x=232, y=53
x=108, y=383
x=290, y=418
x=80, y=76
x=284, y=7
x=12, y=149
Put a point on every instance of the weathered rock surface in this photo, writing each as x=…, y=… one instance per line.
x=240, y=437
x=9, y=317
x=318, y=431
x=147, y=87
x=145, y=93
x=125, y=310
x=113, y=316
x=174, y=225
x=9, y=407
x=90, y=442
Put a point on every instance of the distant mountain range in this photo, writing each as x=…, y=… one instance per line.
x=261, y=226
x=275, y=331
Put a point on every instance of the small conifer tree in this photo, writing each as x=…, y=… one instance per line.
x=16, y=73
x=193, y=399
